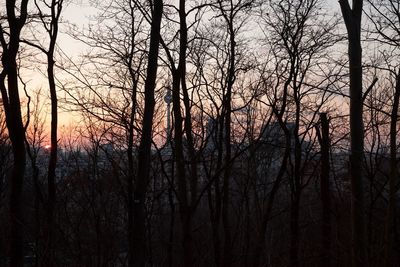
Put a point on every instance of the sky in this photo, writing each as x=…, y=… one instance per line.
x=78, y=13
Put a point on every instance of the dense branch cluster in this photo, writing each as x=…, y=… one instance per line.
x=205, y=133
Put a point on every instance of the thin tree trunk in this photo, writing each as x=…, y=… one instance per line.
x=294, y=229
x=172, y=218
x=52, y=166
x=56, y=8
x=131, y=174
x=190, y=205
x=227, y=261
x=325, y=193
x=130, y=180
x=391, y=227
x=214, y=209
x=296, y=189
x=129, y=151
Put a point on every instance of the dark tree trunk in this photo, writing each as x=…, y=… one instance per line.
x=325, y=193
x=138, y=259
x=391, y=224
x=56, y=8
x=296, y=184
x=180, y=166
x=172, y=216
x=187, y=205
x=227, y=256
x=214, y=209
x=294, y=229
x=130, y=180
x=52, y=165
x=131, y=174
x=352, y=17
x=189, y=208
x=12, y=108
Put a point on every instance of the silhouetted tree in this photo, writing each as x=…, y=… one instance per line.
x=298, y=47
x=385, y=19
x=51, y=27
x=10, y=43
x=352, y=18
x=144, y=156
x=326, y=233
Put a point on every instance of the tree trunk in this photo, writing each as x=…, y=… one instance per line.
x=56, y=8
x=131, y=174
x=227, y=261
x=214, y=204
x=189, y=206
x=52, y=165
x=12, y=108
x=352, y=17
x=391, y=227
x=325, y=193
x=294, y=229
x=172, y=218
x=138, y=259
x=181, y=171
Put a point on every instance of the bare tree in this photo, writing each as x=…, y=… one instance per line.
x=352, y=18
x=385, y=30
x=144, y=156
x=51, y=27
x=298, y=51
x=111, y=80
x=178, y=85
x=10, y=42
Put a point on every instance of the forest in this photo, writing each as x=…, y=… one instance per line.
x=199, y=133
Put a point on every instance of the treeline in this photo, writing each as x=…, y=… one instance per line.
x=209, y=133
